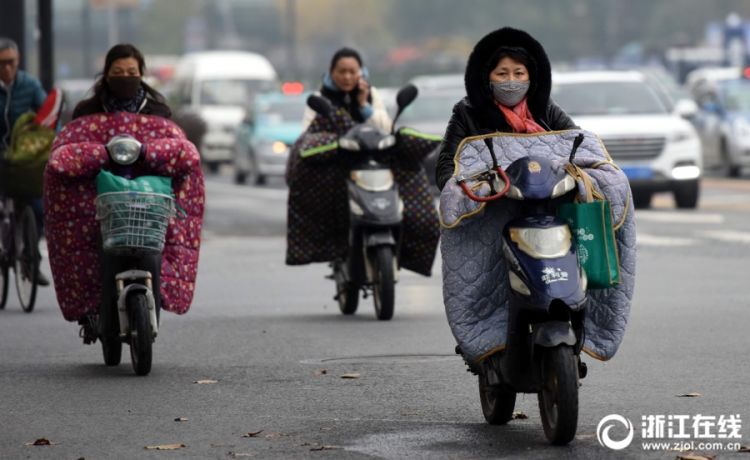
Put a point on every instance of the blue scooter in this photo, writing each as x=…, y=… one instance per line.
x=547, y=299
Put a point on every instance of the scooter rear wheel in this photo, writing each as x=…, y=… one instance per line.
x=497, y=403
x=383, y=292
x=111, y=350
x=558, y=400
x=347, y=294
x=141, y=334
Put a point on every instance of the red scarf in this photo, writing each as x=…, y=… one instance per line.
x=519, y=118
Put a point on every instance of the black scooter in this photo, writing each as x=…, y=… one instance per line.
x=133, y=231
x=547, y=299
x=375, y=211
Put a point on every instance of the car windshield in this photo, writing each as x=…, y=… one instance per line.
x=607, y=98
x=277, y=112
x=232, y=92
x=431, y=106
x=736, y=95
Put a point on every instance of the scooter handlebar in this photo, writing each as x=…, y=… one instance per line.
x=483, y=199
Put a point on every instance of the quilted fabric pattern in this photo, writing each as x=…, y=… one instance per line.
x=318, y=210
x=475, y=279
x=78, y=154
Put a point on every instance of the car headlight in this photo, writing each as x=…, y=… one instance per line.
x=278, y=147
x=349, y=144
x=374, y=180
x=543, y=243
x=386, y=142
x=741, y=127
x=682, y=136
x=124, y=150
x=564, y=186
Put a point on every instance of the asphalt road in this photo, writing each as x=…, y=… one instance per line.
x=271, y=340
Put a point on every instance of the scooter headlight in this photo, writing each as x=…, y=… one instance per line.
x=386, y=142
x=123, y=150
x=543, y=243
x=564, y=186
x=517, y=284
x=349, y=144
x=373, y=180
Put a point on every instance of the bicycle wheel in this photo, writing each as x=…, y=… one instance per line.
x=4, y=256
x=26, y=265
x=3, y=282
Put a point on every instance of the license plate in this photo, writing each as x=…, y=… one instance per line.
x=638, y=172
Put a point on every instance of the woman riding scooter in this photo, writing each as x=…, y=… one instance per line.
x=123, y=106
x=508, y=116
x=318, y=224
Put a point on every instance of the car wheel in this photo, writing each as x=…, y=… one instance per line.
x=641, y=199
x=686, y=194
x=728, y=168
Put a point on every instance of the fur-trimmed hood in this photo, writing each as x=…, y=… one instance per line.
x=478, y=68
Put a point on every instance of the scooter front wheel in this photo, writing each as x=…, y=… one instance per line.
x=383, y=292
x=558, y=399
x=141, y=335
x=497, y=402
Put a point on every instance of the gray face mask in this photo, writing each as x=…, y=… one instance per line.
x=509, y=93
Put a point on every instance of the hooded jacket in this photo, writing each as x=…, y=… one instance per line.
x=477, y=113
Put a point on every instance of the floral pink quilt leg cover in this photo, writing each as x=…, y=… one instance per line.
x=78, y=154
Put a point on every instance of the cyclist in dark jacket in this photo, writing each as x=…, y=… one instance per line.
x=508, y=81
x=121, y=87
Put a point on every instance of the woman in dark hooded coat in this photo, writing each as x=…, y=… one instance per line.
x=508, y=81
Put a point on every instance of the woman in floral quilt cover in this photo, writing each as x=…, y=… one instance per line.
x=122, y=104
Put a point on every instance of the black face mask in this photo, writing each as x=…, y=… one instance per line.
x=124, y=87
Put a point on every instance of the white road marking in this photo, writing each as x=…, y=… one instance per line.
x=645, y=239
x=729, y=236
x=679, y=217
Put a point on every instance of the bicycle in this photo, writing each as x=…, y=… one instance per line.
x=18, y=250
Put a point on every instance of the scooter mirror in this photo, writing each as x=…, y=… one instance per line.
x=406, y=96
x=320, y=105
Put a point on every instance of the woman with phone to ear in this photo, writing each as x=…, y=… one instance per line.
x=346, y=86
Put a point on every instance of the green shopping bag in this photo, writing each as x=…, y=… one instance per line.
x=590, y=223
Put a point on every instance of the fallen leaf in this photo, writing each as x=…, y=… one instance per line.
x=690, y=395
x=166, y=447
x=181, y=419
x=694, y=457
x=206, y=382
x=351, y=375
x=518, y=415
x=240, y=454
x=40, y=442
x=319, y=448
x=321, y=372
x=744, y=449
x=252, y=434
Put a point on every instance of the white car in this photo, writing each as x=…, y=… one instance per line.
x=656, y=148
